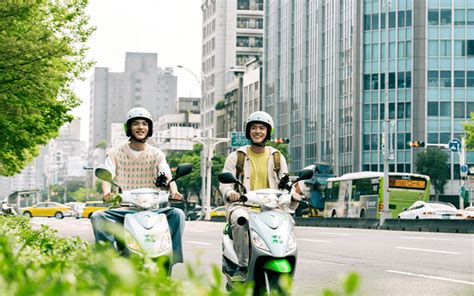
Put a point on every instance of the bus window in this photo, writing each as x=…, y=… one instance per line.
x=333, y=192
x=364, y=187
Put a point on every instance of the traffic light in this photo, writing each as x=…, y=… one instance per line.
x=416, y=144
x=281, y=140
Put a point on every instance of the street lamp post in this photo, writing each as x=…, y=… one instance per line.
x=90, y=170
x=209, y=145
x=386, y=212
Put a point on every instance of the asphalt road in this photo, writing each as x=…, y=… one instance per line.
x=388, y=262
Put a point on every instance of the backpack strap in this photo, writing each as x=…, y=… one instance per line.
x=239, y=166
x=276, y=162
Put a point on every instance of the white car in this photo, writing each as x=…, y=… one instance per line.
x=467, y=213
x=429, y=210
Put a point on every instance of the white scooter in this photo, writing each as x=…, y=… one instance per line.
x=273, y=249
x=145, y=232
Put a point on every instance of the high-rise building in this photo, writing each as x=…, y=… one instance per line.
x=142, y=84
x=327, y=64
x=232, y=35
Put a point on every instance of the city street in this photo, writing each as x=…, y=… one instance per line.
x=389, y=262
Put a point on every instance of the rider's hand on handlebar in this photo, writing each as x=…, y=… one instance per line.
x=296, y=197
x=233, y=196
x=109, y=197
x=176, y=196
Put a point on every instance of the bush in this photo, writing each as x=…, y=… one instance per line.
x=36, y=261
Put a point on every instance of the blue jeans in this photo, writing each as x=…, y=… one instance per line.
x=175, y=217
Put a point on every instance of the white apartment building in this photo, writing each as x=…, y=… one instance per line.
x=232, y=35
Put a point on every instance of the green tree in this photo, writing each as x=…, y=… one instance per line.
x=42, y=51
x=469, y=128
x=433, y=163
x=191, y=183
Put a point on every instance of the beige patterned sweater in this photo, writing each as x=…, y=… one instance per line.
x=132, y=172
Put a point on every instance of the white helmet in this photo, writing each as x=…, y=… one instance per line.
x=259, y=117
x=138, y=113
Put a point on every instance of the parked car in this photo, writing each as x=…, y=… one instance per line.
x=48, y=209
x=467, y=213
x=194, y=214
x=218, y=212
x=429, y=210
x=92, y=206
x=77, y=208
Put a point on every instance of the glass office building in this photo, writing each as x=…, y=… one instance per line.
x=327, y=66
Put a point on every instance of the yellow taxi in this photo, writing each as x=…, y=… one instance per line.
x=218, y=212
x=92, y=206
x=47, y=209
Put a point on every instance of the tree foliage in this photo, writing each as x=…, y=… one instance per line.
x=191, y=184
x=433, y=163
x=42, y=51
x=469, y=128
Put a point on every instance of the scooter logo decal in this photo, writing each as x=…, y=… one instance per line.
x=149, y=238
x=276, y=239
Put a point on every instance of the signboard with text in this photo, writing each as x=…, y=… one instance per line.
x=237, y=139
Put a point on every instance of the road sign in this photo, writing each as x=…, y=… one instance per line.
x=464, y=170
x=454, y=145
x=238, y=139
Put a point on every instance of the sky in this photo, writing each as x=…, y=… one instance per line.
x=170, y=28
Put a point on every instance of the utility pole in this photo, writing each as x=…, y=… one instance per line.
x=386, y=212
x=209, y=145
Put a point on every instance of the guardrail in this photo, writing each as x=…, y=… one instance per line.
x=425, y=225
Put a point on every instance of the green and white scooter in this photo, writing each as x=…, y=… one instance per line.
x=273, y=248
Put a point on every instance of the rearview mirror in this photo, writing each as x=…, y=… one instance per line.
x=106, y=175
x=227, y=178
x=183, y=170
x=305, y=174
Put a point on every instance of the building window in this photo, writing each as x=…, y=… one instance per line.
x=459, y=17
x=459, y=110
x=445, y=78
x=445, y=17
x=459, y=79
x=433, y=109
x=445, y=109
x=433, y=78
x=470, y=47
x=433, y=17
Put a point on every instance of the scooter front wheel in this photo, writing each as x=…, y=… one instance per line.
x=274, y=282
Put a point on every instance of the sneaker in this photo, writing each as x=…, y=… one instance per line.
x=240, y=275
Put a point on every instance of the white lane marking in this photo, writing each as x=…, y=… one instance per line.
x=199, y=243
x=313, y=240
x=334, y=233
x=196, y=230
x=422, y=237
x=432, y=277
x=428, y=250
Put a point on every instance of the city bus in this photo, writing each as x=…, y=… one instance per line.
x=360, y=195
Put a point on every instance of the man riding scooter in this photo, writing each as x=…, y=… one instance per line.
x=256, y=166
x=134, y=165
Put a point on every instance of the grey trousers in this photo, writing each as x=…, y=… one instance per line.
x=175, y=216
x=240, y=233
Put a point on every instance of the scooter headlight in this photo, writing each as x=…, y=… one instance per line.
x=270, y=201
x=145, y=200
x=259, y=242
x=166, y=242
x=291, y=243
x=132, y=243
